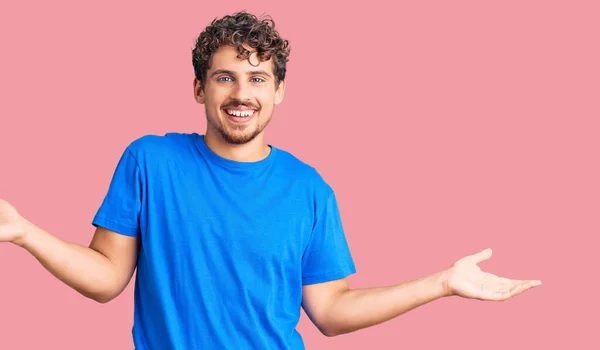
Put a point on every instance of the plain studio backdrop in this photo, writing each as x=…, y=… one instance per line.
x=445, y=128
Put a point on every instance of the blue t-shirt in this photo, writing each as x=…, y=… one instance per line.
x=226, y=246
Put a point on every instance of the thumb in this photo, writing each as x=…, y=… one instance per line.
x=481, y=256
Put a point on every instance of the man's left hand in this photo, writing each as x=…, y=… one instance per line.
x=465, y=279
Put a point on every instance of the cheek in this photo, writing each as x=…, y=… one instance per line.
x=266, y=99
x=215, y=97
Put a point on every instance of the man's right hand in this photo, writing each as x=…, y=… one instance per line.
x=12, y=225
x=100, y=272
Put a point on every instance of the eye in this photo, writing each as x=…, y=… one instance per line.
x=257, y=80
x=224, y=79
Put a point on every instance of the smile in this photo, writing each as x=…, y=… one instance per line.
x=238, y=113
x=240, y=116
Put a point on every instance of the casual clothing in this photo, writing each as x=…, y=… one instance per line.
x=226, y=246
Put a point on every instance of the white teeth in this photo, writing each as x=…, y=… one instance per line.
x=240, y=113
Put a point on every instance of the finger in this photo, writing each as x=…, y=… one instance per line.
x=527, y=283
x=520, y=287
x=481, y=256
x=510, y=288
x=532, y=283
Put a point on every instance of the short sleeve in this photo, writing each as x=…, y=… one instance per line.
x=120, y=209
x=327, y=256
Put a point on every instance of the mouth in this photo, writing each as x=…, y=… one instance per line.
x=239, y=116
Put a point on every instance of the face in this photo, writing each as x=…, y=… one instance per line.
x=239, y=95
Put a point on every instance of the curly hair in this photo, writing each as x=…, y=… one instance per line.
x=239, y=29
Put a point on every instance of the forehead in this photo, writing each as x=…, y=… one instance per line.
x=226, y=58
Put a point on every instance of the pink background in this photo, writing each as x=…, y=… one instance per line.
x=444, y=127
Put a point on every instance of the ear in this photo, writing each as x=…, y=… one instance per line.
x=280, y=92
x=198, y=92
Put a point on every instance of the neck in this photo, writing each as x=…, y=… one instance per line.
x=253, y=151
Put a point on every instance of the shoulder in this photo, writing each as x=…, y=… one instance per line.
x=167, y=144
x=157, y=142
x=303, y=172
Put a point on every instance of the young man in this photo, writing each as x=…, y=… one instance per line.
x=232, y=236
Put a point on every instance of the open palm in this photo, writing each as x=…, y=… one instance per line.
x=466, y=279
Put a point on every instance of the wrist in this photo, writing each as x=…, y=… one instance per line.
x=442, y=282
x=25, y=229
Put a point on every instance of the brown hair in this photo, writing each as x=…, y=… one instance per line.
x=239, y=29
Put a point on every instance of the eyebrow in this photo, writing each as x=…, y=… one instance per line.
x=254, y=72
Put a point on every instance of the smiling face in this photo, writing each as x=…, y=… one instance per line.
x=239, y=95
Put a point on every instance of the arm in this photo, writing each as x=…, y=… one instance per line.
x=100, y=272
x=336, y=309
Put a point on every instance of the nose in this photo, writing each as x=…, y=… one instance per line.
x=241, y=91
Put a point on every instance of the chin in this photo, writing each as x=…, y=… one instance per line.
x=238, y=138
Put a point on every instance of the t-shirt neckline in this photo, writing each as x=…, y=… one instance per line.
x=215, y=158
